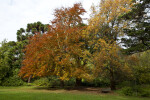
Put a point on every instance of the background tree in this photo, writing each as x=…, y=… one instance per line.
x=103, y=31
x=138, y=34
x=32, y=28
x=139, y=63
x=3, y=69
x=36, y=27
x=108, y=63
x=105, y=22
x=8, y=62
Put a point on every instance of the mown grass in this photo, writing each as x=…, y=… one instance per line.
x=33, y=93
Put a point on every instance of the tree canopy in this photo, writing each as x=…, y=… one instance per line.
x=138, y=34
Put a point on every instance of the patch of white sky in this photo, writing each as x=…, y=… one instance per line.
x=16, y=14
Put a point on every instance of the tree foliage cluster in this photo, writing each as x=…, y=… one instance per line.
x=139, y=28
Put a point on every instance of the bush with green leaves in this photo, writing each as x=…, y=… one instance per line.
x=48, y=81
x=97, y=82
x=71, y=82
x=127, y=91
x=13, y=80
x=42, y=82
x=136, y=91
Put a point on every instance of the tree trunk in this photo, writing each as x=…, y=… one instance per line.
x=62, y=83
x=78, y=82
x=112, y=81
x=29, y=79
x=112, y=85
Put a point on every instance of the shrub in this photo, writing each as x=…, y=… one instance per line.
x=12, y=81
x=48, y=81
x=42, y=82
x=97, y=82
x=54, y=81
x=145, y=93
x=135, y=91
x=70, y=82
x=127, y=91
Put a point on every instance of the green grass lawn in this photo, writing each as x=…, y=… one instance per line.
x=32, y=93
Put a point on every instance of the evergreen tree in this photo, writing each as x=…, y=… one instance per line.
x=138, y=35
x=7, y=59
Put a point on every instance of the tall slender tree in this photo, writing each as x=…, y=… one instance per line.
x=104, y=29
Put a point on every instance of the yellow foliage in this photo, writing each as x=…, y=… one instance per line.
x=107, y=14
x=107, y=59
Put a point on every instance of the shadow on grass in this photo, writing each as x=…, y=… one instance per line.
x=79, y=88
x=47, y=88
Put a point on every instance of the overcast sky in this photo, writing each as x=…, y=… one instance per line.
x=16, y=14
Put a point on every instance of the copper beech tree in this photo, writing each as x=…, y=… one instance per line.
x=59, y=51
x=64, y=50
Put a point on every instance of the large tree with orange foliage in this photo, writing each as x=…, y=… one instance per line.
x=59, y=51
